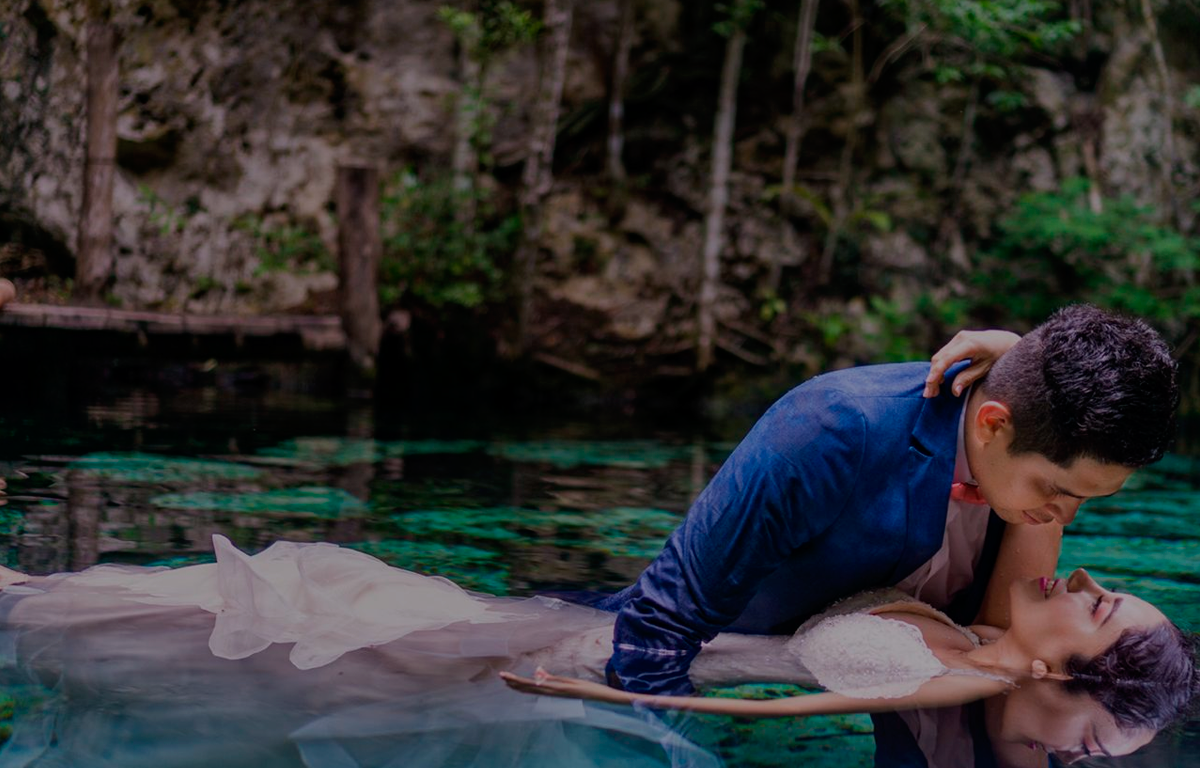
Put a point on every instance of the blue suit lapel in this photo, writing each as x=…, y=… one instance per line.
x=931, y=453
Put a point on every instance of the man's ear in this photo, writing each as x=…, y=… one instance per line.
x=992, y=420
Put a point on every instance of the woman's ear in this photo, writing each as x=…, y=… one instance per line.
x=1040, y=670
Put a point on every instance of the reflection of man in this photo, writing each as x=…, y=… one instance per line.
x=854, y=481
x=1015, y=730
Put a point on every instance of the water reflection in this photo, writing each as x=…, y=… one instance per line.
x=1017, y=729
x=155, y=475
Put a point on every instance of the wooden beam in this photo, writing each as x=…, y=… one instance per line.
x=318, y=332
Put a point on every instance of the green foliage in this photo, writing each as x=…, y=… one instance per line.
x=1191, y=98
x=1007, y=101
x=430, y=255
x=825, y=44
x=899, y=330
x=986, y=40
x=163, y=216
x=203, y=285
x=286, y=247
x=495, y=27
x=737, y=15
x=1053, y=248
x=770, y=306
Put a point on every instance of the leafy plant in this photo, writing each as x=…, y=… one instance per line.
x=902, y=330
x=985, y=41
x=163, y=216
x=737, y=15
x=431, y=256
x=1191, y=99
x=286, y=247
x=494, y=28
x=1053, y=248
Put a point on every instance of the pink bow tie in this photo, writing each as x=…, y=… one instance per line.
x=966, y=492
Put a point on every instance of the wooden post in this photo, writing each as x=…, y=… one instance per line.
x=359, y=249
x=93, y=265
x=84, y=502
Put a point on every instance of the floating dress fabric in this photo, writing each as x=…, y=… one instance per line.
x=316, y=655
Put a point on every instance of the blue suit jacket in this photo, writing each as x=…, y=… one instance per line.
x=841, y=486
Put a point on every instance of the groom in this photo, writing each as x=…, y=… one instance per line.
x=854, y=481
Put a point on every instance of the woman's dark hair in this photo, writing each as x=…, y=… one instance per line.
x=1092, y=383
x=1146, y=679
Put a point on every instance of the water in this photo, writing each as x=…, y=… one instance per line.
x=147, y=475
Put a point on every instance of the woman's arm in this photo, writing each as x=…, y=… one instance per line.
x=940, y=692
x=983, y=348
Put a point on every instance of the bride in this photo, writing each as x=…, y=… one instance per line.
x=885, y=651
x=314, y=648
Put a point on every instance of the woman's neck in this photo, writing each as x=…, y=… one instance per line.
x=1000, y=657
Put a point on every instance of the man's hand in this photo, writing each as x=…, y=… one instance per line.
x=982, y=348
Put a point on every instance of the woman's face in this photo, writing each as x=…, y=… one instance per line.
x=1054, y=619
x=1042, y=716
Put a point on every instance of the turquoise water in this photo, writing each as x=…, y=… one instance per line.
x=147, y=478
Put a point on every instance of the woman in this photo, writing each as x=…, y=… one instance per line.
x=333, y=646
x=1117, y=647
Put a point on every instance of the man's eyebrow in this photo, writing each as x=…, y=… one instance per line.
x=1116, y=605
x=1099, y=746
x=1064, y=492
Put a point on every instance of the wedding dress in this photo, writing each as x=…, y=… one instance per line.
x=316, y=655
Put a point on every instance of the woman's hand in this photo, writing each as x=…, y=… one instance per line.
x=546, y=684
x=983, y=348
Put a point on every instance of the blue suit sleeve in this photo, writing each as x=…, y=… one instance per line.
x=785, y=483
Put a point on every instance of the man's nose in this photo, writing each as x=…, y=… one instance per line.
x=1064, y=510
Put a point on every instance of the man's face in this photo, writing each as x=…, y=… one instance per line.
x=1028, y=488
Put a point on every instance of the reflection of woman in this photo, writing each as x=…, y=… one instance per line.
x=330, y=640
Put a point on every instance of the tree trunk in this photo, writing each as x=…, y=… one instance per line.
x=1088, y=125
x=359, y=249
x=950, y=237
x=616, y=97
x=465, y=161
x=718, y=197
x=841, y=188
x=537, y=175
x=1169, y=159
x=94, y=263
x=802, y=64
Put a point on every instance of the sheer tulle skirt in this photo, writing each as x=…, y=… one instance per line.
x=303, y=655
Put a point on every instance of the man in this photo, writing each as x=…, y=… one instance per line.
x=845, y=484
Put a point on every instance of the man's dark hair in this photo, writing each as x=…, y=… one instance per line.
x=1089, y=383
x=1146, y=679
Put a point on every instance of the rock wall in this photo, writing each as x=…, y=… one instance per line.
x=234, y=116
